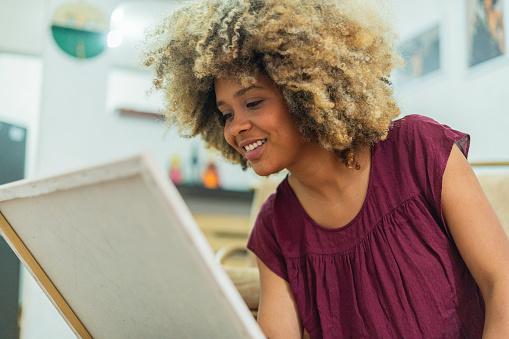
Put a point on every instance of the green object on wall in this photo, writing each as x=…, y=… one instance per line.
x=80, y=30
x=78, y=43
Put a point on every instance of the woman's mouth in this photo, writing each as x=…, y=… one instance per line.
x=254, y=145
x=254, y=149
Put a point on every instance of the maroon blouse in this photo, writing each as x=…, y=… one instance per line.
x=394, y=270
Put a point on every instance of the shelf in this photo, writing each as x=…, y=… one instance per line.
x=201, y=192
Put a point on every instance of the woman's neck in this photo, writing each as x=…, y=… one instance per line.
x=321, y=173
x=330, y=193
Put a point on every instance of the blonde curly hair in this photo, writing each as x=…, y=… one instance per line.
x=331, y=59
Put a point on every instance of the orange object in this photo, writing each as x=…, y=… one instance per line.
x=210, y=177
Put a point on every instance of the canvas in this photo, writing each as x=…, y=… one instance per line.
x=117, y=251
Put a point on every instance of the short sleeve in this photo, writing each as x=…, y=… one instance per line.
x=430, y=144
x=263, y=241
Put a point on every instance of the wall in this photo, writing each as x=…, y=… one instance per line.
x=20, y=96
x=472, y=100
x=79, y=125
x=131, y=89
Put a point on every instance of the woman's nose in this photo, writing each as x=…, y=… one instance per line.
x=240, y=124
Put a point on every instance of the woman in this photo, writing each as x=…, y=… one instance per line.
x=381, y=228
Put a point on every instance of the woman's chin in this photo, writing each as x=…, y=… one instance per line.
x=264, y=171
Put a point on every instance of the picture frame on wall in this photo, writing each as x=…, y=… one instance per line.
x=486, y=33
x=422, y=55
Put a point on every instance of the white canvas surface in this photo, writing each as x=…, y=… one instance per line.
x=121, y=247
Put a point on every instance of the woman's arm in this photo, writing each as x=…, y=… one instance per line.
x=480, y=238
x=277, y=313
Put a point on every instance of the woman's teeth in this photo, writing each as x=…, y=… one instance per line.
x=254, y=145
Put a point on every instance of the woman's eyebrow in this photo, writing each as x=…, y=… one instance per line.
x=240, y=92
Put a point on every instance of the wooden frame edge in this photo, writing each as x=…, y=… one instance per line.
x=492, y=163
x=42, y=279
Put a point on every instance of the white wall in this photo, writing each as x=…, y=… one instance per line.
x=471, y=100
x=78, y=125
x=20, y=96
x=23, y=26
x=131, y=89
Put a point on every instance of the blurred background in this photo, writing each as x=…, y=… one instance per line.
x=72, y=94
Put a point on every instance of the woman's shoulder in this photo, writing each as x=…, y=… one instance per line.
x=419, y=130
x=413, y=129
x=413, y=123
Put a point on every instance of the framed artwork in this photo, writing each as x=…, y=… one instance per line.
x=485, y=30
x=422, y=54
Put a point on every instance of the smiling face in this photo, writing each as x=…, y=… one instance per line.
x=258, y=124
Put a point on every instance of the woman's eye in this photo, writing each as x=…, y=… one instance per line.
x=253, y=104
x=225, y=117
